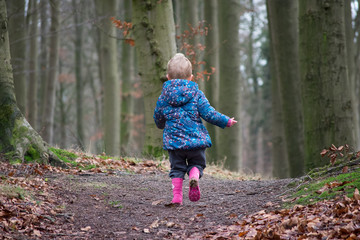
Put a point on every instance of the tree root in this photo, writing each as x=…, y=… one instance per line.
x=28, y=142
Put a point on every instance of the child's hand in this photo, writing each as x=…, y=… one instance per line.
x=231, y=122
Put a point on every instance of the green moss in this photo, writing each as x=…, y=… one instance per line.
x=6, y=114
x=314, y=191
x=108, y=157
x=11, y=191
x=32, y=155
x=65, y=156
x=115, y=204
x=88, y=167
x=15, y=161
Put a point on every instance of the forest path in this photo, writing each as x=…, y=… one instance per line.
x=136, y=206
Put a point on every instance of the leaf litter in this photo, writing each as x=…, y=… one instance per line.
x=36, y=202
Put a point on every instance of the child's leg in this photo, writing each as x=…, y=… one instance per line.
x=178, y=166
x=196, y=158
x=196, y=165
x=177, y=173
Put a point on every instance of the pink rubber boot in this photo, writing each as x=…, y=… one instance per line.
x=194, y=191
x=177, y=190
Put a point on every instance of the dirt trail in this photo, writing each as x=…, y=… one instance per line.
x=135, y=206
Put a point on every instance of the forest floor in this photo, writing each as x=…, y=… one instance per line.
x=132, y=201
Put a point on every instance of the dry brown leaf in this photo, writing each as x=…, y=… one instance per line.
x=37, y=233
x=323, y=189
x=157, y=202
x=85, y=229
x=324, y=152
x=269, y=204
x=233, y=215
x=170, y=224
x=155, y=224
x=356, y=194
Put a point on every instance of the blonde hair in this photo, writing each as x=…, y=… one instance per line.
x=179, y=67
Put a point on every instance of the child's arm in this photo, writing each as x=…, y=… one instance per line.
x=158, y=116
x=209, y=114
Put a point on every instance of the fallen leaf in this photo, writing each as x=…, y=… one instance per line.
x=146, y=230
x=356, y=194
x=37, y=233
x=157, y=202
x=242, y=234
x=323, y=189
x=170, y=224
x=85, y=229
x=155, y=224
x=233, y=215
x=135, y=228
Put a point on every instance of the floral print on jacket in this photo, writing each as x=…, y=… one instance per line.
x=178, y=111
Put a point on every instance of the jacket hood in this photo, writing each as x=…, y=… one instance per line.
x=178, y=92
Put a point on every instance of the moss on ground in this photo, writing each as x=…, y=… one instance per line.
x=65, y=156
x=12, y=191
x=325, y=187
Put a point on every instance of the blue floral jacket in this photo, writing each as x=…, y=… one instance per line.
x=178, y=111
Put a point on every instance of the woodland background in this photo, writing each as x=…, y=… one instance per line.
x=288, y=71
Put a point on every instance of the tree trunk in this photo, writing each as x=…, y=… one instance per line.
x=128, y=74
x=32, y=107
x=17, y=32
x=17, y=137
x=43, y=60
x=109, y=76
x=154, y=33
x=253, y=98
x=326, y=92
x=62, y=109
x=212, y=61
x=350, y=47
x=283, y=15
x=190, y=20
x=280, y=164
x=357, y=57
x=229, y=148
x=49, y=109
x=78, y=72
x=177, y=9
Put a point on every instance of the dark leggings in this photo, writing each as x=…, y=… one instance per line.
x=182, y=161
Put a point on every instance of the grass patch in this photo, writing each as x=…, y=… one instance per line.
x=11, y=191
x=326, y=188
x=115, y=204
x=88, y=167
x=64, y=155
x=218, y=171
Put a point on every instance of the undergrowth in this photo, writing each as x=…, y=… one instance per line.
x=340, y=178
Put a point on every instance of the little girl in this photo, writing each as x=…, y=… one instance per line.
x=178, y=111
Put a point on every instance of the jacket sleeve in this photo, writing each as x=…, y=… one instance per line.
x=209, y=114
x=158, y=115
